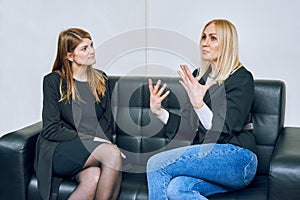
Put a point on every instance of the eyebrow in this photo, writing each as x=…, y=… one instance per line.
x=210, y=34
x=86, y=45
x=83, y=46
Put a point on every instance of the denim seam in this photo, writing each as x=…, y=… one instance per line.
x=245, y=169
x=221, y=152
x=196, y=182
x=206, y=154
x=192, y=185
x=165, y=164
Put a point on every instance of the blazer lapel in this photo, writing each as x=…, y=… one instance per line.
x=101, y=106
x=202, y=81
x=76, y=112
x=212, y=90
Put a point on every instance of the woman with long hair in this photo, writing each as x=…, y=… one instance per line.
x=221, y=91
x=75, y=141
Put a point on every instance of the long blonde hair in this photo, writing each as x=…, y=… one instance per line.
x=67, y=42
x=228, y=58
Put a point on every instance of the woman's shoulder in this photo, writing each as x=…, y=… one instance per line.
x=52, y=77
x=101, y=72
x=240, y=78
x=242, y=73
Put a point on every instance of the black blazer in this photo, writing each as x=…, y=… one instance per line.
x=59, y=125
x=230, y=103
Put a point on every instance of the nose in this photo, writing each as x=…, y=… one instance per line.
x=204, y=42
x=92, y=50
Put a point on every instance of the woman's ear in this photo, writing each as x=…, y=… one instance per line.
x=70, y=57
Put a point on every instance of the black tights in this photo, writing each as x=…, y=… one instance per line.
x=101, y=176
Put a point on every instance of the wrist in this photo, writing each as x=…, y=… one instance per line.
x=158, y=113
x=199, y=105
x=164, y=117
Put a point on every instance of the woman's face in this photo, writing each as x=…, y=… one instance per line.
x=209, y=44
x=84, y=53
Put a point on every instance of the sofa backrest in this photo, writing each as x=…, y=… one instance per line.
x=268, y=113
x=130, y=107
x=139, y=140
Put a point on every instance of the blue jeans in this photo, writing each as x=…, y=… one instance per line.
x=197, y=171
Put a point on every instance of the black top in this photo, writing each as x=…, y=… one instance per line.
x=230, y=103
x=88, y=122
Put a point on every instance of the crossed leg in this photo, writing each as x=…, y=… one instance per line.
x=96, y=183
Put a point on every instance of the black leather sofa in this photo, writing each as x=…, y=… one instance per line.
x=278, y=147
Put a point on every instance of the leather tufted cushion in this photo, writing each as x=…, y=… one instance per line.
x=268, y=118
x=17, y=152
x=285, y=166
x=130, y=105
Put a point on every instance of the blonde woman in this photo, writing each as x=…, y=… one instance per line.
x=222, y=157
x=75, y=139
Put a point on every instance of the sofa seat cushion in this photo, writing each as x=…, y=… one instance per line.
x=257, y=190
x=66, y=187
x=134, y=186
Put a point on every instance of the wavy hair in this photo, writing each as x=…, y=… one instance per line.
x=68, y=40
x=228, y=58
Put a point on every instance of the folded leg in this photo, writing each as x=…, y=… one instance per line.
x=185, y=187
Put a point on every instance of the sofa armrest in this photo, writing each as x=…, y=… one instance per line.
x=17, y=151
x=284, y=176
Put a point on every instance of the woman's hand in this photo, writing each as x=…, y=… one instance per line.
x=194, y=89
x=156, y=97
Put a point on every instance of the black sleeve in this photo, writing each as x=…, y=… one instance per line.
x=183, y=126
x=54, y=129
x=231, y=115
x=106, y=119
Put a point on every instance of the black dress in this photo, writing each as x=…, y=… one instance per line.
x=70, y=156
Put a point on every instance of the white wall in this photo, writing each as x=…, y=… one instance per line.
x=268, y=32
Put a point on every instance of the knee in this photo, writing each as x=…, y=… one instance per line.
x=174, y=193
x=115, y=152
x=183, y=186
x=173, y=190
x=150, y=164
x=110, y=155
x=156, y=162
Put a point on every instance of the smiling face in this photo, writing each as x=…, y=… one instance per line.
x=209, y=44
x=84, y=54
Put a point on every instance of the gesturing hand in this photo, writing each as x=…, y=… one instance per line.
x=194, y=89
x=156, y=97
